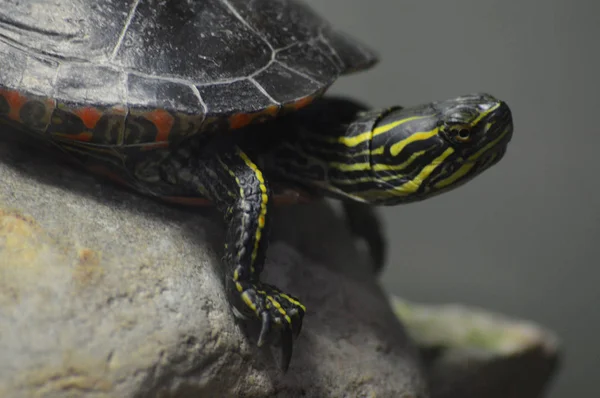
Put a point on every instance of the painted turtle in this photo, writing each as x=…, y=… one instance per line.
x=201, y=100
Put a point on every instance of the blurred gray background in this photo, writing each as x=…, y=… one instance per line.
x=523, y=238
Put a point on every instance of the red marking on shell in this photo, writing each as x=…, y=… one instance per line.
x=302, y=102
x=271, y=110
x=15, y=102
x=89, y=116
x=163, y=122
x=239, y=120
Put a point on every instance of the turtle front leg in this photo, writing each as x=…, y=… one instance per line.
x=364, y=223
x=237, y=186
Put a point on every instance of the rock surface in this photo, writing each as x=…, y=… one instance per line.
x=471, y=353
x=104, y=293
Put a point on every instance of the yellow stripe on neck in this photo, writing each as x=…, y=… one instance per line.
x=362, y=137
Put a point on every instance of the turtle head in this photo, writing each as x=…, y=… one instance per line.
x=425, y=150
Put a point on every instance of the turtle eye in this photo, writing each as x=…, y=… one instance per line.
x=463, y=135
x=460, y=133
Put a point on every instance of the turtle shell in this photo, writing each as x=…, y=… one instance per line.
x=145, y=73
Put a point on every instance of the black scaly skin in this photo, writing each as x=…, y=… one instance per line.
x=233, y=182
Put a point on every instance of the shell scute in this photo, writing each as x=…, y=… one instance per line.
x=153, y=128
x=102, y=125
x=29, y=110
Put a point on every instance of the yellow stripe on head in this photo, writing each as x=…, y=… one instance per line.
x=366, y=136
x=413, y=185
x=484, y=114
x=464, y=169
x=396, y=148
x=387, y=127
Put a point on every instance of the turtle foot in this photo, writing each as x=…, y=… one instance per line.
x=277, y=312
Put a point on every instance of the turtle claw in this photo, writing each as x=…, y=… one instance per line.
x=276, y=311
x=287, y=347
x=265, y=329
x=288, y=334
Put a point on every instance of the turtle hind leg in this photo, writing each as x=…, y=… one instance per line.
x=237, y=186
x=364, y=223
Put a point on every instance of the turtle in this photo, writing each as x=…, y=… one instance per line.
x=223, y=102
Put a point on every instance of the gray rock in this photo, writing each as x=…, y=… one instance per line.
x=472, y=353
x=104, y=293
